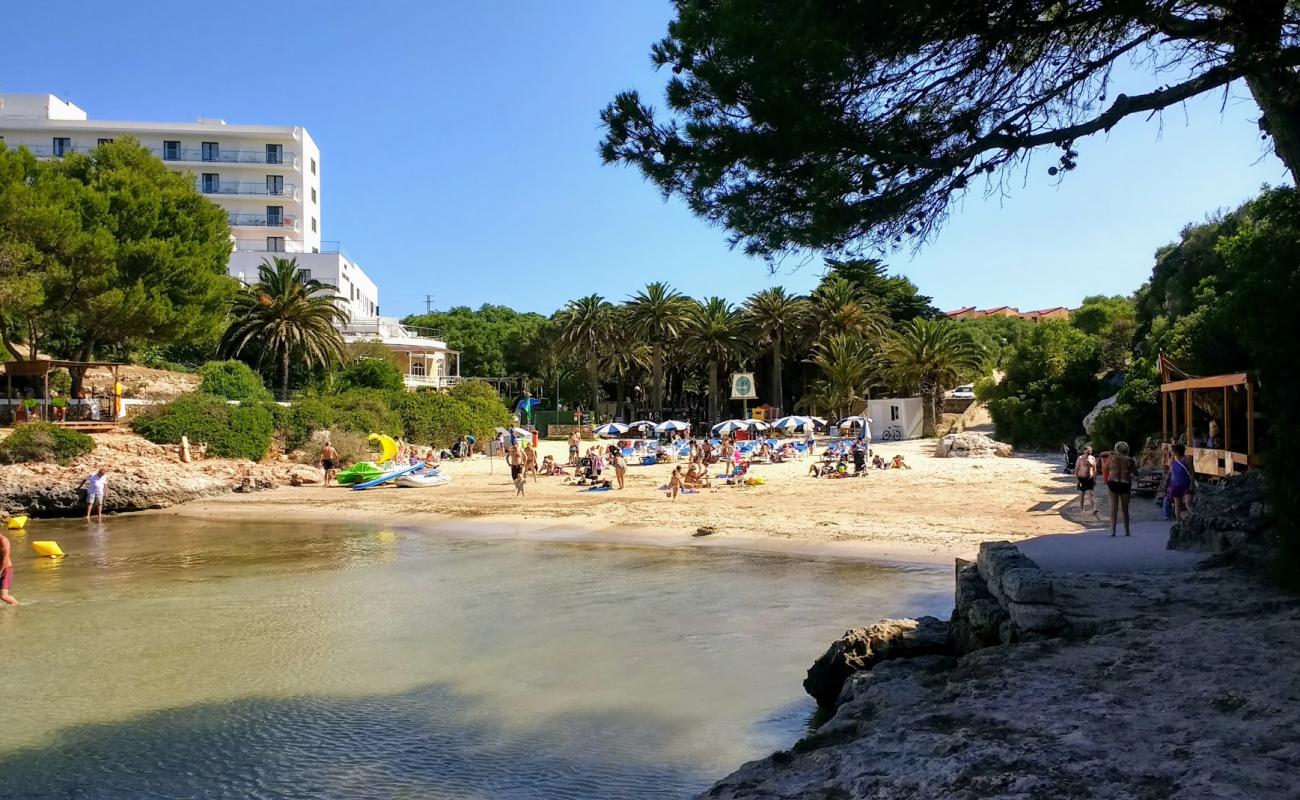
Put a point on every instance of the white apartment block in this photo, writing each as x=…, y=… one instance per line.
x=267, y=178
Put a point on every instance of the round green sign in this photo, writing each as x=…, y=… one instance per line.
x=744, y=386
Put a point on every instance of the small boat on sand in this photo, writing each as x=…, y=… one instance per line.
x=423, y=479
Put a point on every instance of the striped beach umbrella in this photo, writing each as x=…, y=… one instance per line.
x=610, y=429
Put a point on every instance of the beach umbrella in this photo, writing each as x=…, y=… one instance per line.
x=754, y=425
x=818, y=421
x=671, y=426
x=610, y=429
x=852, y=422
x=641, y=423
x=730, y=426
x=792, y=423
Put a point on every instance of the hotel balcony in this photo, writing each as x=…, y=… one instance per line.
x=390, y=331
x=283, y=222
x=252, y=189
x=198, y=156
x=430, y=381
x=290, y=246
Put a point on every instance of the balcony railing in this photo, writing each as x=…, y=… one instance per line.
x=226, y=156
x=47, y=151
x=435, y=381
x=290, y=246
x=252, y=189
x=388, y=328
x=284, y=222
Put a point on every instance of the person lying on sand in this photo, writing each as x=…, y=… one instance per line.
x=899, y=463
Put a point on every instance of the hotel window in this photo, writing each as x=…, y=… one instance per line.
x=171, y=151
x=305, y=274
x=275, y=215
x=103, y=142
x=62, y=145
x=275, y=184
x=313, y=166
x=211, y=151
x=211, y=182
x=313, y=224
x=313, y=194
x=275, y=244
x=275, y=154
x=418, y=369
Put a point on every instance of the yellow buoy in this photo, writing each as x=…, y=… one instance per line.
x=49, y=549
x=17, y=522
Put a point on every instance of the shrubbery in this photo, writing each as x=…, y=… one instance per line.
x=231, y=380
x=229, y=431
x=41, y=441
x=371, y=373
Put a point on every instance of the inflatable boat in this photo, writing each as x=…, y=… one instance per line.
x=421, y=480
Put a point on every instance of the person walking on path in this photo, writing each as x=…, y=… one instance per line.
x=1119, y=480
x=1180, y=482
x=96, y=487
x=6, y=571
x=1085, y=470
x=329, y=461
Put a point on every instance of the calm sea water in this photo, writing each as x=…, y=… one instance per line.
x=169, y=658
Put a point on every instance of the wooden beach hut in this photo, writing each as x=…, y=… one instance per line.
x=1229, y=398
x=38, y=370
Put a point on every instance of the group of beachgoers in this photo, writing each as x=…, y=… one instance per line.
x=837, y=459
x=1118, y=471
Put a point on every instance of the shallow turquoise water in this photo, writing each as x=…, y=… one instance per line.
x=168, y=658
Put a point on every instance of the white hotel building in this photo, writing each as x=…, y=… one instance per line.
x=267, y=178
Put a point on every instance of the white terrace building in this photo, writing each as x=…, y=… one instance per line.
x=267, y=178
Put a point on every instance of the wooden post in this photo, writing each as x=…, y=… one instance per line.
x=45, y=411
x=1227, y=422
x=1250, y=422
x=1164, y=416
x=1188, y=395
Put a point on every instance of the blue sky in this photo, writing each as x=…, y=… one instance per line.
x=459, y=156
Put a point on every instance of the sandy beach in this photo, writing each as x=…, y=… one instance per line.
x=939, y=509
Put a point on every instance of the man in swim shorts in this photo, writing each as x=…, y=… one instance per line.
x=6, y=571
x=1085, y=470
x=329, y=461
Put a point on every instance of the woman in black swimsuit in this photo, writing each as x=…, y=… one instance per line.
x=1119, y=480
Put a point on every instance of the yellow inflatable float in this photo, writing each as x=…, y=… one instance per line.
x=47, y=549
x=387, y=447
x=17, y=522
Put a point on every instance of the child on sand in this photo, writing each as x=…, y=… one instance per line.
x=675, y=484
x=6, y=571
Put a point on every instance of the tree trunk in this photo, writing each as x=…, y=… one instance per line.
x=713, y=392
x=657, y=378
x=593, y=372
x=284, y=375
x=620, y=409
x=776, y=374
x=928, y=424
x=1277, y=91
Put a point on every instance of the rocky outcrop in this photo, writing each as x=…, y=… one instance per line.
x=862, y=648
x=1022, y=589
x=971, y=445
x=1190, y=695
x=142, y=476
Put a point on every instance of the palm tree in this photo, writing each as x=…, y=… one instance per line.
x=624, y=356
x=717, y=338
x=846, y=363
x=841, y=307
x=285, y=316
x=659, y=314
x=585, y=326
x=930, y=355
x=775, y=316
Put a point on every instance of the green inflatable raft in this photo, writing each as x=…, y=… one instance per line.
x=360, y=472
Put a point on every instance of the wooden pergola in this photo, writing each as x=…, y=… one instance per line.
x=42, y=367
x=1176, y=417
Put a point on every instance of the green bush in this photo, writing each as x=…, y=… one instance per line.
x=229, y=431
x=1050, y=385
x=302, y=419
x=231, y=380
x=365, y=411
x=371, y=373
x=41, y=441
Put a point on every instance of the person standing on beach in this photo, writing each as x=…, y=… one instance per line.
x=530, y=462
x=620, y=466
x=96, y=487
x=1180, y=482
x=1085, y=470
x=515, y=458
x=1119, y=480
x=329, y=461
x=573, y=448
x=675, y=482
x=6, y=571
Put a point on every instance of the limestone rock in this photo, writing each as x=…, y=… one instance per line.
x=862, y=648
x=968, y=444
x=1041, y=619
